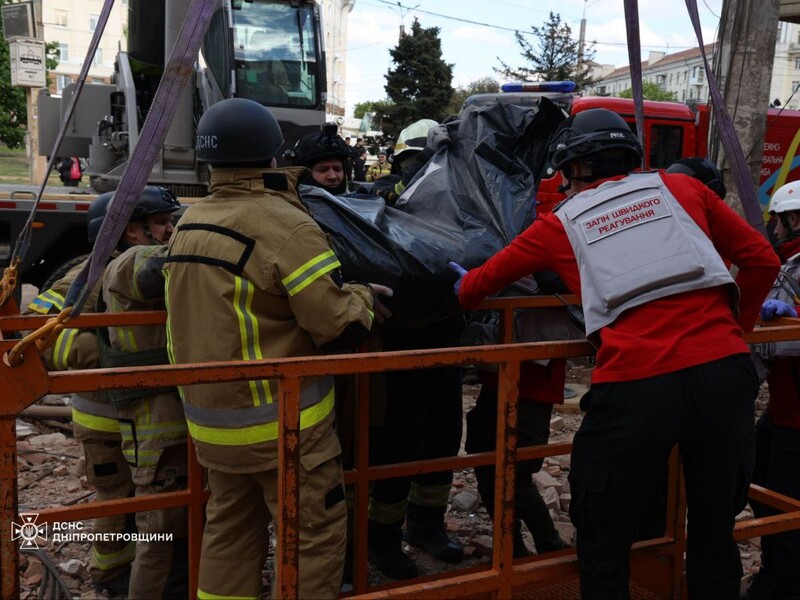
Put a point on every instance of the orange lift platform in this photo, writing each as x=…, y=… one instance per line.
x=657, y=565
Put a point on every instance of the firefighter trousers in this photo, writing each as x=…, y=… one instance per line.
x=236, y=535
x=109, y=475
x=423, y=420
x=533, y=429
x=160, y=569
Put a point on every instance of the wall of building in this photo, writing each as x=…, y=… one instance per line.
x=71, y=23
x=334, y=23
x=683, y=74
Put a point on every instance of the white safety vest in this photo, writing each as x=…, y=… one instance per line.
x=635, y=243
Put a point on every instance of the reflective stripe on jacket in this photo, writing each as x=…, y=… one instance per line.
x=134, y=282
x=251, y=276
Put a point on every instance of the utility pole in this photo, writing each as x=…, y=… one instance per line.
x=743, y=67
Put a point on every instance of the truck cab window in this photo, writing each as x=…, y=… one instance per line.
x=665, y=145
x=275, y=54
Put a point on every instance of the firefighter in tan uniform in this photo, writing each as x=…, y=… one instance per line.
x=94, y=425
x=249, y=276
x=151, y=421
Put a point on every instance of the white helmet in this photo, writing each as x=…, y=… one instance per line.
x=414, y=136
x=786, y=198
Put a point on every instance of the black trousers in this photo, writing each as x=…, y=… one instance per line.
x=533, y=429
x=423, y=417
x=777, y=468
x=619, y=454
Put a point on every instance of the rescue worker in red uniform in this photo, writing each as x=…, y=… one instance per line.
x=645, y=253
x=250, y=275
x=151, y=421
x=777, y=463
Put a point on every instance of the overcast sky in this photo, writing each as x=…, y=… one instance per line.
x=475, y=32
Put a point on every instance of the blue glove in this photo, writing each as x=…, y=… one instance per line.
x=772, y=309
x=460, y=271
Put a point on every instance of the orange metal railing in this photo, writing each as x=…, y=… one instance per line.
x=657, y=563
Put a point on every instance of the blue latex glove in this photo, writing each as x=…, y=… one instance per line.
x=460, y=271
x=772, y=309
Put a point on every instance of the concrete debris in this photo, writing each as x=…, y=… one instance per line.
x=23, y=429
x=465, y=501
x=49, y=440
x=544, y=480
x=556, y=423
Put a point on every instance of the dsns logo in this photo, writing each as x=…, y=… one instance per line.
x=28, y=531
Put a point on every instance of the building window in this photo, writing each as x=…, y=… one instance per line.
x=797, y=63
x=98, y=57
x=62, y=81
x=93, y=19
x=63, y=50
x=60, y=18
x=795, y=85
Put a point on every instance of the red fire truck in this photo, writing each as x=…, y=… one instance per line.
x=673, y=130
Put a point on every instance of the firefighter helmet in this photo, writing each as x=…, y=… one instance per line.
x=414, y=137
x=96, y=214
x=591, y=132
x=238, y=132
x=155, y=200
x=786, y=198
x=703, y=170
x=314, y=147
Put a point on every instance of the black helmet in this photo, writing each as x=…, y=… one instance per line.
x=155, y=200
x=314, y=147
x=591, y=132
x=96, y=214
x=238, y=132
x=703, y=170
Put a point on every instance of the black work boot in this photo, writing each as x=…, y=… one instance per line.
x=520, y=549
x=384, y=548
x=761, y=587
x=425, y=529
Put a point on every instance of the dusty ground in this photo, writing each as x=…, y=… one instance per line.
x=50, y=465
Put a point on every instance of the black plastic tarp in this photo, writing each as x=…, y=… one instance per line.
x=467, y=203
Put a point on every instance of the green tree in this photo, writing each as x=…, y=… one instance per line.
x=554, y=56
x=13, y=107
x=419, y=85
x=651, y=91
x=484, y=85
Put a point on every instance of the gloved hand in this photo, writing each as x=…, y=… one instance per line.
x=379, y=309
x=772, y=309
x=460, y=271
x=438, y=137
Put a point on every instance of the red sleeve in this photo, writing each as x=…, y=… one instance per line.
x=526, y=254
x=738, y=243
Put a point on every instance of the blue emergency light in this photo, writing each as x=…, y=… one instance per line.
x=540, y=86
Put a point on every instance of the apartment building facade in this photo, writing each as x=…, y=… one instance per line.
x=683, y=74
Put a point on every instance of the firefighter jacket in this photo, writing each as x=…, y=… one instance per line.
x=250, y=276
x=783, y=358
x=77, y=349
x=153, y=420
x=636, y=243
x=377, y=170
x=664, y=335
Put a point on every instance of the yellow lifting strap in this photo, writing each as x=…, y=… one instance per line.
x=9, y=281
x=44, y=337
